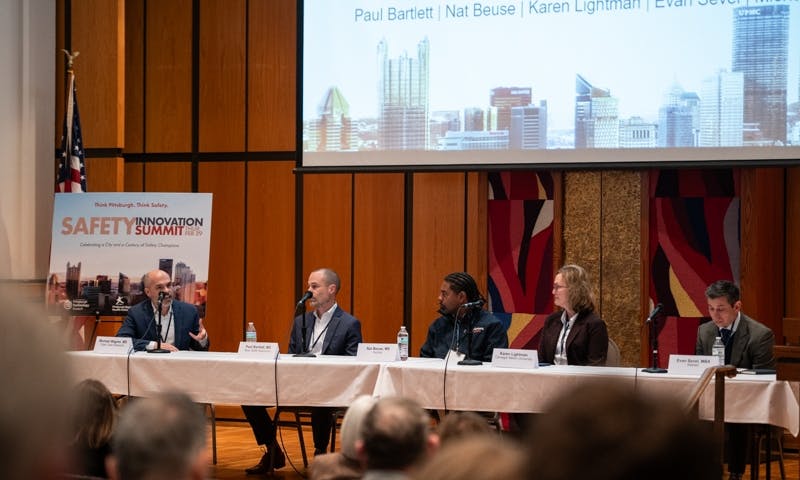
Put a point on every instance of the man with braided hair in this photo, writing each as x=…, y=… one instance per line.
x=450, y=331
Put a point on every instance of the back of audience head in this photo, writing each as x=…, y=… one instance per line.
x=457, y=425
x=478, y=457
x=33, y=414
x=95, y=414
x=609, y=432
x=396, y=435
x=352, y=424
x=160, y=437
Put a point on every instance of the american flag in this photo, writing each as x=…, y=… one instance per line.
x=71, y=175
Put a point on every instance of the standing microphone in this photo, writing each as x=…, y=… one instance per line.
x=651, y=319
x=476, y=303
x=654, y=313
x=162, y=295
x=468, y=360
x=304, y=345
x=305, y=297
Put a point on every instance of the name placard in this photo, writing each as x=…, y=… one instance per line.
x=691, y=364
x=454, y=357
x=515, y=358
x=378, y=352
x=267, y=350
x=118, y=345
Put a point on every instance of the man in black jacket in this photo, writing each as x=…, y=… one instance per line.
x=451, y=330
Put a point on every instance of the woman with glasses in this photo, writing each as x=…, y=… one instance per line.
x=575, y=334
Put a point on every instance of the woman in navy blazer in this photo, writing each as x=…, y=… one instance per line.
x=575, y=334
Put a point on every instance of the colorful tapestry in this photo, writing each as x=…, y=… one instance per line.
x=520, y=215
x=694, y=241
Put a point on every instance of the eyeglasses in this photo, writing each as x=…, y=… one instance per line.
x=557, y=287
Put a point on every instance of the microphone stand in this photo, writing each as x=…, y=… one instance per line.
x=654, y=348
x=158, y=348
x=304, y=349
x=94, y=330
x=467, y=356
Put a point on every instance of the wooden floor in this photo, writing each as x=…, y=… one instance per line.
x=236, y=450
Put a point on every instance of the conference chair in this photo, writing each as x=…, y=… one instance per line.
x=613, y=356
x=791, y=331
x=299, y=417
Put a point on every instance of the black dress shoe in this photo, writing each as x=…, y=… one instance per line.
x=262, y=466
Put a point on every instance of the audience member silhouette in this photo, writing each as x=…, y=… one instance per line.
x=162, y=437
x=610, y=432
x=93, y=420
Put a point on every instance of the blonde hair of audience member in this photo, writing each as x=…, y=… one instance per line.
x=581, y=296
x=479, y=457
x=396, y=435
x=34, y=412
x=458, y=425
x=609, y=432
x=93, y=419
x=345, y=463
x=352, y=422
x=160, y=437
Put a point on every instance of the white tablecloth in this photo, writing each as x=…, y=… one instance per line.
x=748, y=398
x=228, y=378
x=221, y=377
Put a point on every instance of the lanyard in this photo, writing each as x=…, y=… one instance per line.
x=318, y=336
x=165, y=333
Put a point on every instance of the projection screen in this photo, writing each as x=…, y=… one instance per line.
x=549, y=82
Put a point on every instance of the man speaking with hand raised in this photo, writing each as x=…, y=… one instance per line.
x=181, y=326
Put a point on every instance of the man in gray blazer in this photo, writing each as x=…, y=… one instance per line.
x=748, y=344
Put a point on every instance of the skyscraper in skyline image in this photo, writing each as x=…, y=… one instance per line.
x=761, y=53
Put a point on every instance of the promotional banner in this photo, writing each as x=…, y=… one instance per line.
x=103, y=244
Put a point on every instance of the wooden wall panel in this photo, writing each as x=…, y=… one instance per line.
x=762, y=250
x=168, y=177
x=134, y=76
x=272, y=71
x=134, y=177
x=98, y=34
x=222, y=75
x=792, y=219
x=270, y=250
x=105, y=174
x=225, y=307
x=168, y=77
x=378, y=254
x=477, y=236
x=327, y=229
x=438, y=245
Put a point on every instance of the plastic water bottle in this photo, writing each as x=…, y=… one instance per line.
x=718, y=350
x=250, y=333
x=402, y=343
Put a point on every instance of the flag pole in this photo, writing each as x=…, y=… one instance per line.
x=69, y=103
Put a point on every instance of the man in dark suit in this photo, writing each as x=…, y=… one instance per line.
x=748, y=344
x=329, y=330
x=181, y=326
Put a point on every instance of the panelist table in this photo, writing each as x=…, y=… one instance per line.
x=748, y=398
x=219, y=377
x=229, y=378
